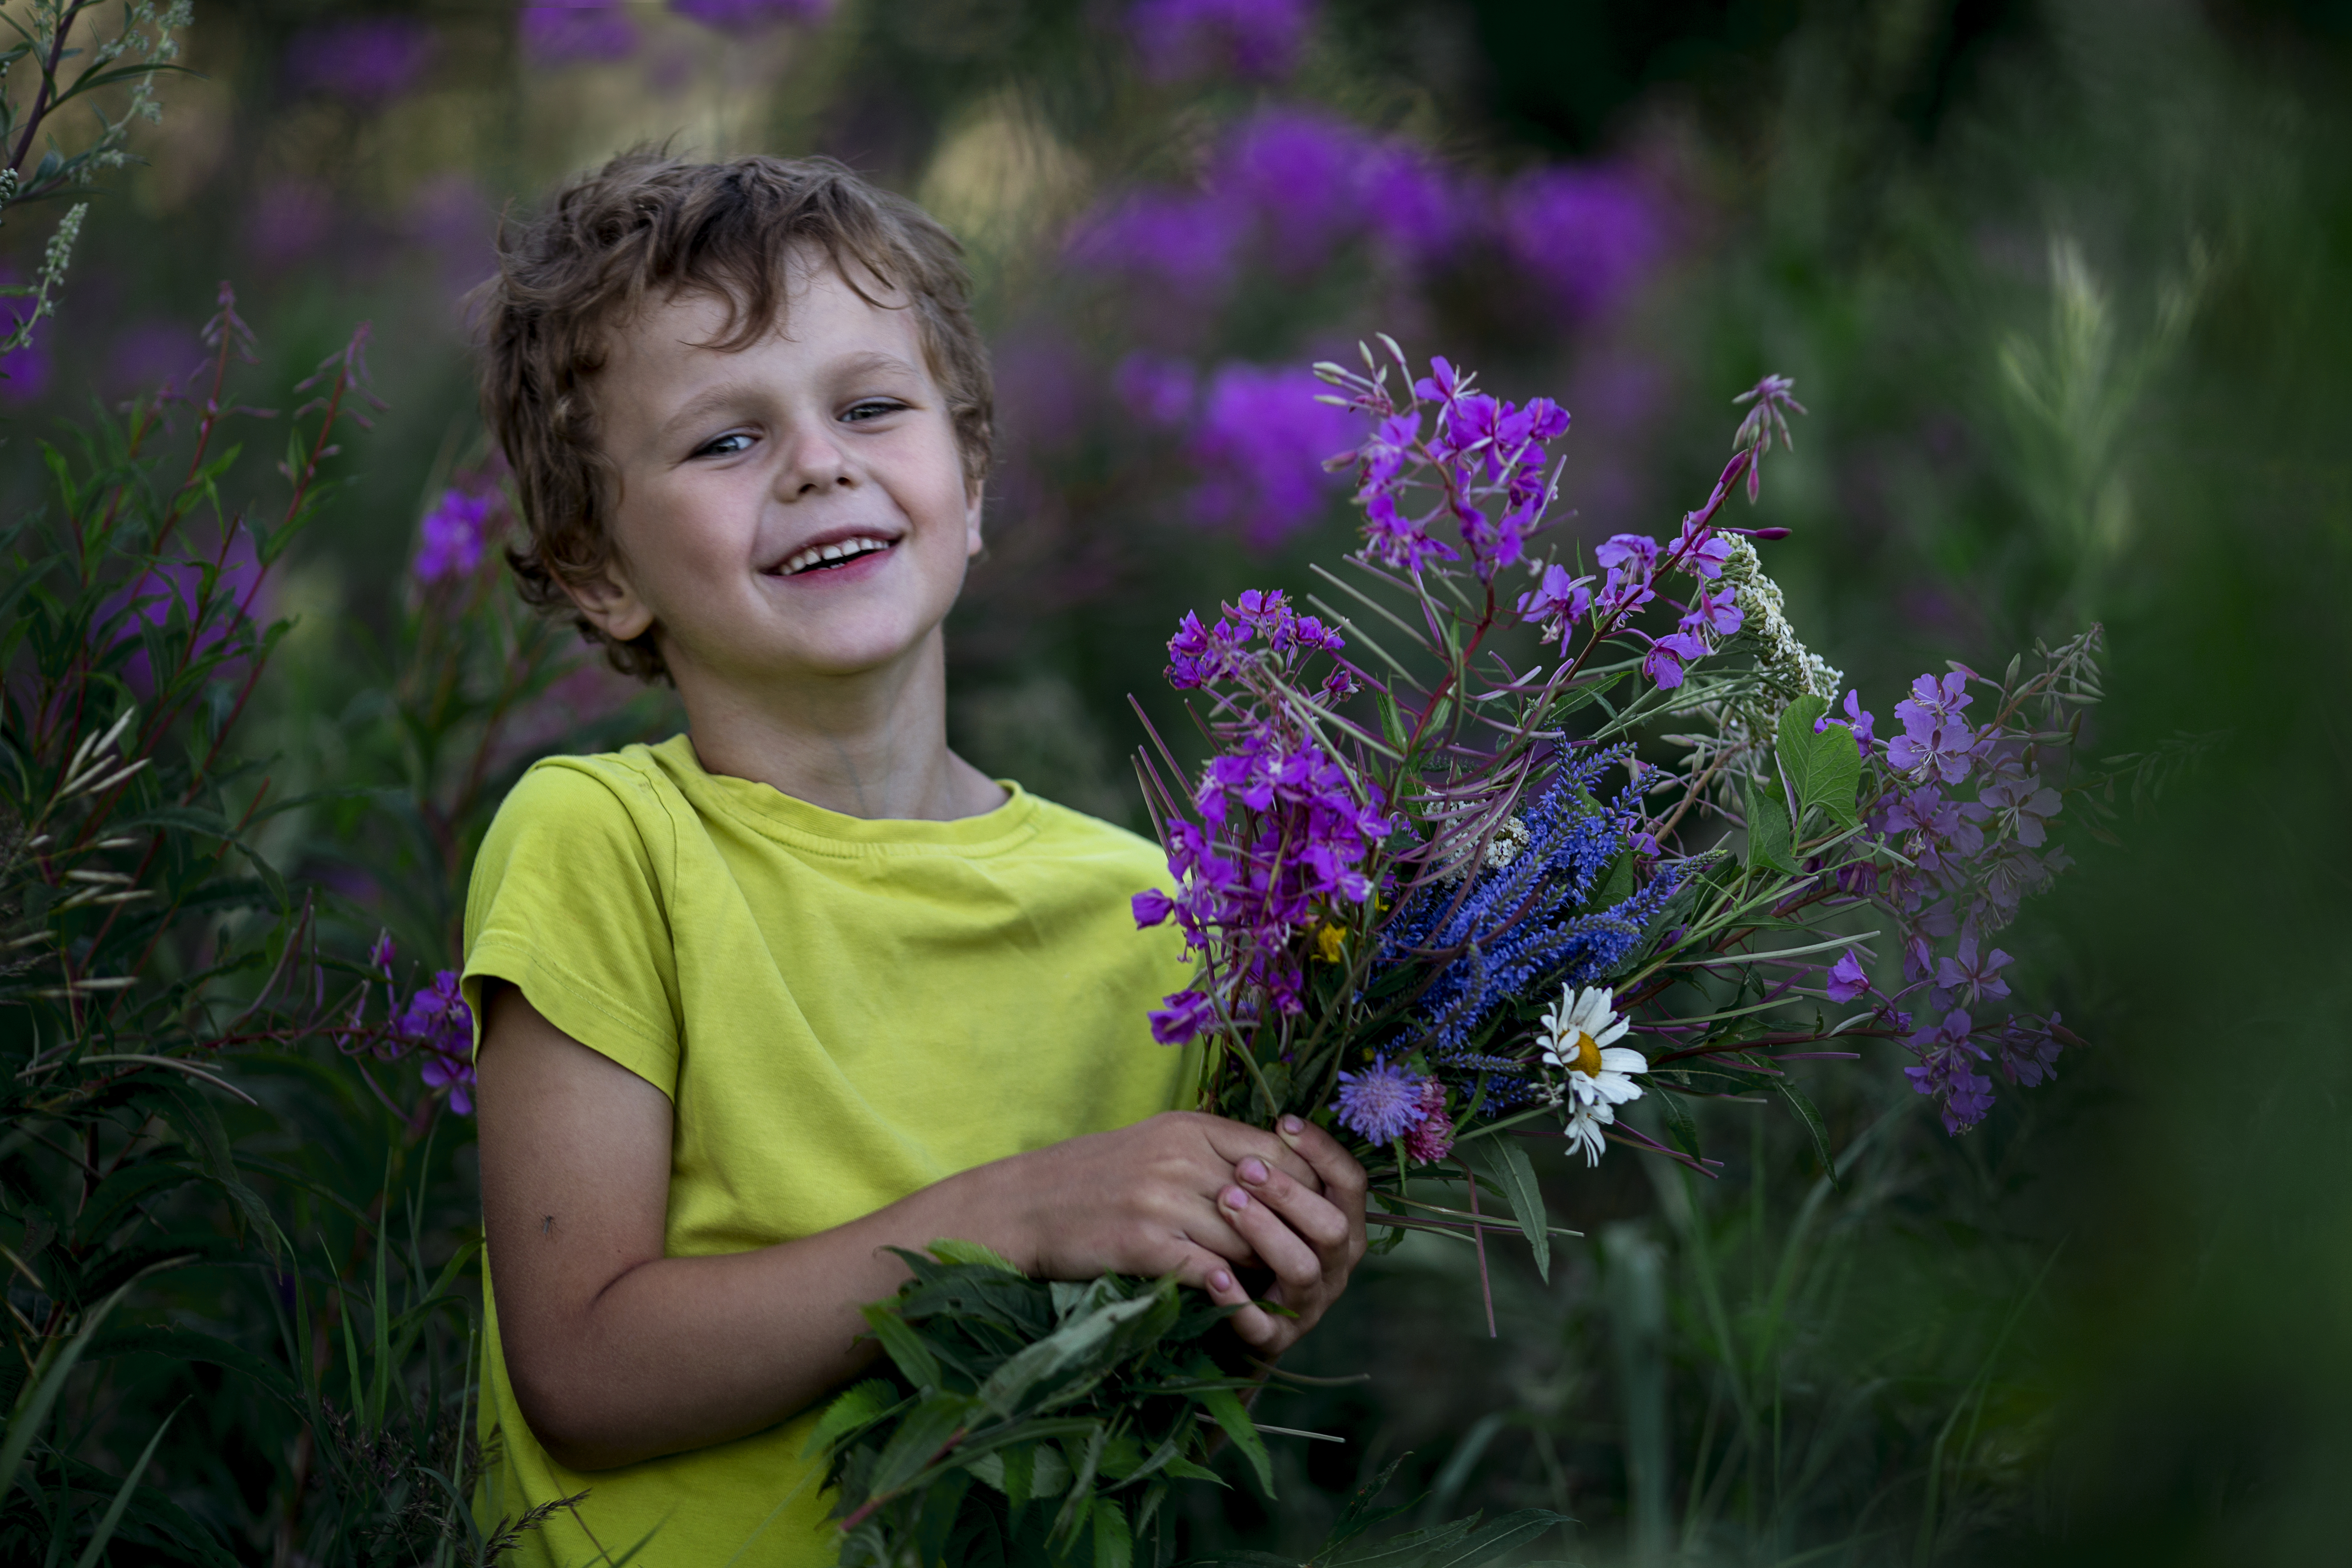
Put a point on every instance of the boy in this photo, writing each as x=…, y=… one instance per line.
x=800, y=983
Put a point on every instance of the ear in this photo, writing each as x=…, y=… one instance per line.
x=610, y=603
x=975, y=494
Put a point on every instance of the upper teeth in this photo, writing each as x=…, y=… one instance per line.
x=818, y=555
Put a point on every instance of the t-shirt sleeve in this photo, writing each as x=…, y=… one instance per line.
x=566, y=904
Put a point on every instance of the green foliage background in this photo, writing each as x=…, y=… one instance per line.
x=2063, y=285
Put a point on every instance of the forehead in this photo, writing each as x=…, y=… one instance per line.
x=697, y=332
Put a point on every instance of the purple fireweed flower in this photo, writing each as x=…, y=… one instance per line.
x=1187, y=1015
x=1589, y=234
x=370, y=60
x=2021, y=807
x=1857, y=719
x=1400, y=541
x=1662, y=665
x=1932, y=701
x=2029, y=1049
x=450, y=538
x=581, y=30
x=751, y=15
x=1621, y=594
x=1380, y=1104
x=1930, y=750
x=1699, y=550
x=437, y=1022
x=1716, y=610
x=1948, y=1053
x=1159, y=391
x=380, y=954
x=1973, y=978
x=1634, y=554
x=1258, y=40
x=1847, y=978
x=1557, y=604
x=1260, y=442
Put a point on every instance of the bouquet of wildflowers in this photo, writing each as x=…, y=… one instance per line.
x=1439, y=900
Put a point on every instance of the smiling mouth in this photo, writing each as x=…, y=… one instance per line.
x=826, y=557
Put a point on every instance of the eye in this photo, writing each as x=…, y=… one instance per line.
x=734, y=444
x=868, y=408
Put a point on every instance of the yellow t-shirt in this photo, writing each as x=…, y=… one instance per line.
x=841, y=1012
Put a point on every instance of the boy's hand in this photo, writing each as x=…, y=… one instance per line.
x=1203, y=1198
x=1310, y=1237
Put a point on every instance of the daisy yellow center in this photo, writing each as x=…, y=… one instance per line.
x=1584, y=1056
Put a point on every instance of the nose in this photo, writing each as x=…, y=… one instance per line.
x=814, y=463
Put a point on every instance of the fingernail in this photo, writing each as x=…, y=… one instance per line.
x=1254, y=1171
x=1235, y=1198
x=1220, y=1280
x=1290, y=1126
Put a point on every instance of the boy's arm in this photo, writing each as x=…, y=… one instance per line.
x=619, y=1353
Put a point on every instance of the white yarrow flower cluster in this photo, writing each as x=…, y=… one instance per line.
x=1578, y=1035
x=1785, y=669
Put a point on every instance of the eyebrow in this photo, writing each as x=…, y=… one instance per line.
x=711, y=398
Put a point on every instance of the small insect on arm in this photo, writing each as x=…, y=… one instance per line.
x=547, y=1226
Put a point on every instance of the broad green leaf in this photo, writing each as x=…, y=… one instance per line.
x=1823, y=770
x=1616, y=885
x=1410, y=1550
x=1767, y=830
x=1226, y=1407
x=951, y=1250
x=936, y=1521
x=1071, y=1359
x=1508, y=1164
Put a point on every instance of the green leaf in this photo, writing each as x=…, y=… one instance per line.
x=1509, y=1531
x=948, y=1250
x=855, y=1406
x=1804, y=1111
x=1508, y=1164
x=1226, y=1407
x=1768, y=831
x=113, y=1515
x=192, y=1345
x=41, y=1393
x=1392, y=725
x=1616, y=886
x=1073, y=1357
x=903, y=1345
x=918, y=1441
x=1823, y=770
x=1680, y=1125
x=1410, y=1550
x=1114, y=1547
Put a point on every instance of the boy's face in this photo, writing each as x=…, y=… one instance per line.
x=797, y=507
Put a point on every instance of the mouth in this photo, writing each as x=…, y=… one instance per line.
x=832, y=554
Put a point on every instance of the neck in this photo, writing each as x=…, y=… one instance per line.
x=873, y=744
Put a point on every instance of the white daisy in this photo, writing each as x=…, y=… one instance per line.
x=1576, y=1037
x=1584, y=1125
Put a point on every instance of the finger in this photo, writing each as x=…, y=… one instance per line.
x=1312, y=1215
x=1339, y=1177
x=1234, y=1142
x=1297, y=1266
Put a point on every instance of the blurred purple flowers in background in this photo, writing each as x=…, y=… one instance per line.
x=371, y=60
x=1588, y=235
x=751, y=15
x=1260, y=443
x=1259, y=40
x=449, y=538
x=583, y=30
